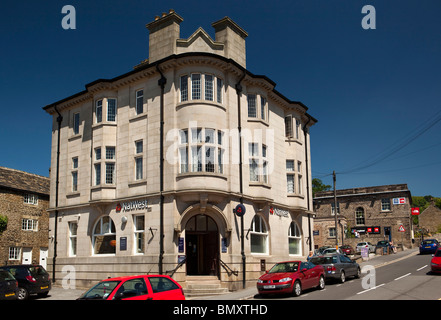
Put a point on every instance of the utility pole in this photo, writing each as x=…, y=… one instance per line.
x=335, y=211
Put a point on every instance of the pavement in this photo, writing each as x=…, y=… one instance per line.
x=377, y=261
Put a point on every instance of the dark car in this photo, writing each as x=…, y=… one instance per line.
x=291, y=277
x=337, y=266
x=429, y=246
x=31, y=278
x=8, y=286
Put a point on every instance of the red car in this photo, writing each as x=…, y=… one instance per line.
x=142, y=287
x=291, y=277
x=435, y=264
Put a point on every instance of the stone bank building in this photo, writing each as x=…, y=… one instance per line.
x=364, y=214
x=152, y=163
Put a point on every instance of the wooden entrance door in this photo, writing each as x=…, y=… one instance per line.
x=202, y=246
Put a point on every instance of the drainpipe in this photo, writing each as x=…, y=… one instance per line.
x=305, y=131
x=239, y=127
x=161, y=82
x=59, y=120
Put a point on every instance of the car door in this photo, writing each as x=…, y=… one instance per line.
x=133, y=289
x=164, y=289
x=309, y=275
x=349, y=267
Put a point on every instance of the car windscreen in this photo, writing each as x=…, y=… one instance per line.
x=428, y=242
x=321, y=260
x=37, y=271
x=101, y=290
x=6, y=276
x=285, y=267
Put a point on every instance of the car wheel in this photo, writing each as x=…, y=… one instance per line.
x=23, y=294
x=358, y=273
x=342, y=277
x=321, y=284
x=297, y=288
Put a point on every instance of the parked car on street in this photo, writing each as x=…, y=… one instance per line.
x=429, y=246
x=331, y=251
x=8, y=286
x=365, y=244
x=337, y=266
x=140, y=287
x=291, y=277
x=435, y=263
x=347, y=249
x=31, y=278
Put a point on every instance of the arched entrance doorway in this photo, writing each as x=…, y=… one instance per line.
x=202, y=246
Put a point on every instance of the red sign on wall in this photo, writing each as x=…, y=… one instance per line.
x=415, y=211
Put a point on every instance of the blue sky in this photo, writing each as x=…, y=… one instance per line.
x=376, y=93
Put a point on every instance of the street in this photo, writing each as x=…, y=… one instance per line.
x=407, y=279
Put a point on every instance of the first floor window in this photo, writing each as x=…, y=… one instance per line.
x=359, y=216
x=138, y=168
x=290, y=183
x=332, y=233
x=97, y=174
x=385, y=204
x=30, y=198
x=254, y=170
x=75, y=181
x=104, y=236
x=259, y=235
x=209, y=87
x=183, y=160
x=99, y=111
x=29, y=225
x=294, y=238
x=110, y=173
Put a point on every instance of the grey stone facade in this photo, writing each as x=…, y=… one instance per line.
x=375, y=213
x=24, y=200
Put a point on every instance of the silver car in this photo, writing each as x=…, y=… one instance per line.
x=365, y=244
x=337, y=266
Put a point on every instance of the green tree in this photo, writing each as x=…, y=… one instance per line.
x=3, y=223
x=318, y=185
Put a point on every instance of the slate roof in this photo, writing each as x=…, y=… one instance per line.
x=24, y=181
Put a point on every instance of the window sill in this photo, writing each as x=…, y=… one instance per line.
x=257, y=120
x=103, y=124
x=137, y=183
x=103, y=186
x=293, y=140
x=73, y=194
x=196, y=102
x=75, y=137
x=294, y=195
x=200, y=174
x=137, y=117
x=259, y=184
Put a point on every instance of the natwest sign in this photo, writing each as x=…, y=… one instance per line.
x=132, y=205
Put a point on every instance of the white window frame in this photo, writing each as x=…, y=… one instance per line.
x=295, y=236
x=139, y=101
x=73, y=238
x=14, y=253
x=30, y=198
x=259, y=229
x=110, y=233
x=137, y=234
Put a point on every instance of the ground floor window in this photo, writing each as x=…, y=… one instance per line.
x=139, y=233
x=259, y=235
x=104, y=236
x=294, y=239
